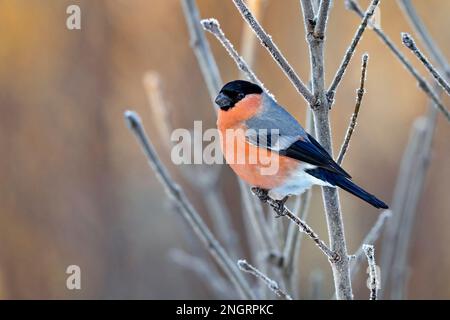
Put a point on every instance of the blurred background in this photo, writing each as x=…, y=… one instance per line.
x=76, y=189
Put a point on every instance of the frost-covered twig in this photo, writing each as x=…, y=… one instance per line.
x=322, y=18
x=321, y=107
x=370, y=238
x=410, y=12
x=423, y=84
x=308, y=16
x=351, y=49
x=271, y=284
x=188, y=212
x=248, y=41
x=213, y=26
x=267, y=42
x=352, y=125
x=409, y=42
x=373, y=276
x=303, y=226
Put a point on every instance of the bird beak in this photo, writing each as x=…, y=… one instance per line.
x=223, y=101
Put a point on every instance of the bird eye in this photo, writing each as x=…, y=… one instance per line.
x=240, y=96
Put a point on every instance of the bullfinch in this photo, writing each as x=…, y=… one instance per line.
x=261, y=126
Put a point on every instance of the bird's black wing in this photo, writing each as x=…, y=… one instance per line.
x=310, y=151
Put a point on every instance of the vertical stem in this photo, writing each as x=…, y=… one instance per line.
x=341, y=270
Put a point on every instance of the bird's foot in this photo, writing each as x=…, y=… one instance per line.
x=279, y=207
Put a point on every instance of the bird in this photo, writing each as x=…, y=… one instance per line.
x=250, y=122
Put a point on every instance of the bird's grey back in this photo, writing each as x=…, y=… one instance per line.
x=274, y=117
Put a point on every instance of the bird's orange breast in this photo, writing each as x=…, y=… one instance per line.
x=257, y=166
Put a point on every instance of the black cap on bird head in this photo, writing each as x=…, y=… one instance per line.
x=235, y=91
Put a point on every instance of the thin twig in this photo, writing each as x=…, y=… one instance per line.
x=271, y=284
x=201, y=48
x=248, y=41
x=410, y=12
x=335, y=225
x=370, y=238
x=423, y=84
x=352, y=125
x=308, y=16
x=322, y=18
x=213, y=26
x=303, y=226
x=408, y=41
x=351, y=49
x=188, y=212
x=320, y=107
x=267, y=42
x=373, y=276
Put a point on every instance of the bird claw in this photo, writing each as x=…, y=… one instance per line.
x=279, y=208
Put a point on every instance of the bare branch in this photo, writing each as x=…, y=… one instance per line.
x=352, y=125
x=373, y=276
x=285, y=212
x=408, y=41
x=248, y=41
x=213, y=26
x=320, y=107
x=370, y=238
x=351, y=49
x=410, y=12
x=271, y=284
x=322, y=17
x=267, y=42
x=423, y=84
x=308, y=16
x=188, y=212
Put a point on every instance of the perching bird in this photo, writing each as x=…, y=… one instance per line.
x=251, y=116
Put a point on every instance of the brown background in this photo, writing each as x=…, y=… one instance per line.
x=75, y=188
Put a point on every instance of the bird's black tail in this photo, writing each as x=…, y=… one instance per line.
x=346, y=184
